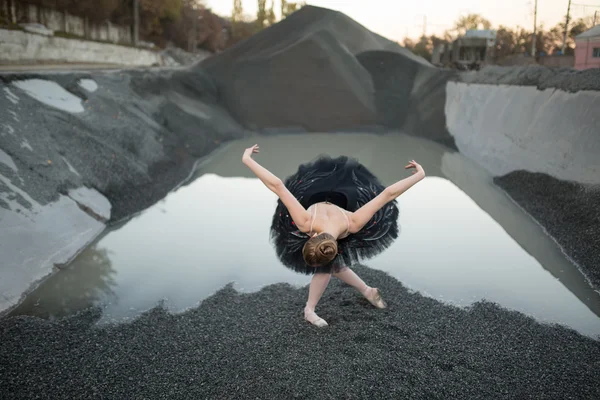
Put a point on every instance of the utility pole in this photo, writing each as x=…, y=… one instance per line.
x=533, y=46
x=566, y=29
x=136, y=22
x=595, y=15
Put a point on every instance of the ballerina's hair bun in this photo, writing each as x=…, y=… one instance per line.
x=320, y=250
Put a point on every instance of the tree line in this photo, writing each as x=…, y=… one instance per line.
x=190, y=25
x=243, y=26
x=187, y=24
x=182, y=23
x=509, y=41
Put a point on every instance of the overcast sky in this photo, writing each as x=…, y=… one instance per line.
x=395, y=19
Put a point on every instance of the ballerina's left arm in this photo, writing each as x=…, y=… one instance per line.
x=364, y=214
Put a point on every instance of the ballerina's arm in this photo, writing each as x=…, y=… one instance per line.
x=364, y=214
x=298, y=213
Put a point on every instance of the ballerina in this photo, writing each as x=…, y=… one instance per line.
x=330, y=214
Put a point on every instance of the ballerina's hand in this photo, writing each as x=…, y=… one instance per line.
x=417, y=167
x=249, y=151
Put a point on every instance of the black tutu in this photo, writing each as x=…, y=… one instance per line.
x=347, y=183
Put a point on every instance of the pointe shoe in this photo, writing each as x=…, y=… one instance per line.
x=375, y=298
x=314, y=319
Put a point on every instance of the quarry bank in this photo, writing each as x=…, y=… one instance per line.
x=82, y=150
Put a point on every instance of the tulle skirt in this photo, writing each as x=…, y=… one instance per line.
x=349, y=184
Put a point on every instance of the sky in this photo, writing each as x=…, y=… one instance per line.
x=396, y=19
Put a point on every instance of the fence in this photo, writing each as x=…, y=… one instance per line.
x=17, y=12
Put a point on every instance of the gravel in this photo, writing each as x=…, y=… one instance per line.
x=566, y=79
x=258, y=346
x=139, y=135
x=570, y=213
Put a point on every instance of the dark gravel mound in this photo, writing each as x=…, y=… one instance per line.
x=570, y=212
x=409, y=96
x=257, y=346
x=307, y=22
x=321, y=71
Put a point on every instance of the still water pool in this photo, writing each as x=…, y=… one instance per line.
x=462, y=239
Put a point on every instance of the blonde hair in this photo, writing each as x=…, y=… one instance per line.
x=320, y=250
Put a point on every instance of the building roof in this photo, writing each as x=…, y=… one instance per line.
x=481, y=33
x=594, y=32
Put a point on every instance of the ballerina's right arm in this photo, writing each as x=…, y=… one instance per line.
x=363, y=215
x=298, y=213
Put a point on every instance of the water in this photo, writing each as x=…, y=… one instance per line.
x=8, y=161
x=50, y=93
x=88, y=84
x=462, y=240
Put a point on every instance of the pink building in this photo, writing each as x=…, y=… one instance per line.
x=587, y=49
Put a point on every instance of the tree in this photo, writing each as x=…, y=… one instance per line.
x=154, y=14
x=238, y=12
x=553, y=39
x=271, y=18
x=261, y=14
x=555, y=36
x=197, y=28
x=581, y=25
x=423, y=48
x=468, y=22
x=237, y=21
x=95, y=10
x=288, y=8
x=509, y=41
x=210, y=34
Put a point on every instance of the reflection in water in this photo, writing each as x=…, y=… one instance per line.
x=215, y=230
x=453, y=251
x=386, y=155
x=89, y=279
x=183, y=249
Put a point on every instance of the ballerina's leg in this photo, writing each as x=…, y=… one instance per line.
x=317, y=287
x=372, y=294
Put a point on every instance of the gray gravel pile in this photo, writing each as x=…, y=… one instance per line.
x=257, y=346
x=566, y=79
x=408, y=95
x=137, y=138
x=570, y=212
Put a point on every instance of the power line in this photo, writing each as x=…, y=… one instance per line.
x=425, y=24
x=585, y=5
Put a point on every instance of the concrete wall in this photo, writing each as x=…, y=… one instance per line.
x=546, y=61
x=74, y=25
x=584, y=53
x=22, y=47
x=507, y=128
x=61, y=21
x=557, y=61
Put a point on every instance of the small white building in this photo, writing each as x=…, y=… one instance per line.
x=471, y=51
